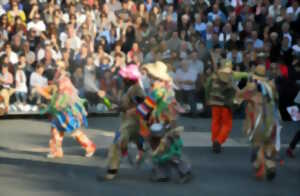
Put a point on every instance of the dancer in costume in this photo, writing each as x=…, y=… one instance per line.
x=158, y=125
x=68, y=113
x=129, y=129
x=220, y=93
x=262, y=122
x=168, y=154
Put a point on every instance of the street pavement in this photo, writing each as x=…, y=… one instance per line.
x=25, y=171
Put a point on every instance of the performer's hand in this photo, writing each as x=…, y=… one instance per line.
x=101, y=93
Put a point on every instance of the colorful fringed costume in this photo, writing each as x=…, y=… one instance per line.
x=262, y=125
x=158, y=106
x=68, y=115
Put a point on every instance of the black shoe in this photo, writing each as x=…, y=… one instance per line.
x=271, y=174
x=216, y=147
x=185, y=178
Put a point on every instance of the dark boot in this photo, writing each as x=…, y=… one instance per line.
x=216, y=147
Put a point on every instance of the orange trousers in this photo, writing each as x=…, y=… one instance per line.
x=221, y=124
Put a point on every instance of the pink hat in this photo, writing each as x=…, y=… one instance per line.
x=130, y=72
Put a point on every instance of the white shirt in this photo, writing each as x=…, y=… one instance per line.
x=38, y=26
x=184, y=76
x=21, y=81
x=296, y=49
x=55, y=55
x=37, y=80
x=75, y=41
x=2, y=11
x=13, y=58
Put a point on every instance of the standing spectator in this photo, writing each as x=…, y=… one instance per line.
x=37, y=24
x=185, y=78
x=21, y=85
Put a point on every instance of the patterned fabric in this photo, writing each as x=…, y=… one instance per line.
x=218, y=92
x=262, y=115
x=57, y=137
x=68, y=120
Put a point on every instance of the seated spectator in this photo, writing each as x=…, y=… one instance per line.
x=16, y=12
x=196, y=63
x=135, y=51
x=185, y=79
x=37, y=80
x=6, y=82
x=37, y=24
x=12, y=56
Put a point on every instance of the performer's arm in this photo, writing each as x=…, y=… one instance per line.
x=46, y=91
x=239, y=75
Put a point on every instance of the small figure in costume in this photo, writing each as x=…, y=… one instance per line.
x=129, y=129
x=68, y=113
x=158, y=115
x=262, y=122
x=168, y=154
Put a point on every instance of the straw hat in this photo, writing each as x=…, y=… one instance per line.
x=158, y=70
x=227, y=68
x=130, y=72
x=225, y=72
x=260, y=72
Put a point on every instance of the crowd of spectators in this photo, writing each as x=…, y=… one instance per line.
x=97, y=37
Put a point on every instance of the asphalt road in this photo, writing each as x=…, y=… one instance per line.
x=25, y=171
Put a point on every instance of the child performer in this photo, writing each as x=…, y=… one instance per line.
x=68, y=113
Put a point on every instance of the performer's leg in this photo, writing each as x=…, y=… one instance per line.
x=226, y=127
x=55, y=144
x=216, y=127
x=114, y=157
x=216, y=122
x=270, y=160
x=85, y=142
x=116, y=151
x=258, y=163
x=293, y=144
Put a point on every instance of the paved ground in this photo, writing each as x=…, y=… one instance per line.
x=25, y=171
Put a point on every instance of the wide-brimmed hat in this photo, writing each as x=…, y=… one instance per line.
x=227, y=68
x=259, y=72
x=130, y=72
x=158, y=70
x=225, y=73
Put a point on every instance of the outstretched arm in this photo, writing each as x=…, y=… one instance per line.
x=47, y=91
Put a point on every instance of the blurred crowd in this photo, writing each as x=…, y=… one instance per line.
x=95, y=38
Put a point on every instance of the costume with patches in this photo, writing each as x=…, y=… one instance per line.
x=262, y=123
x=130, y=127
x=158, y=126
x=68, y=115
x=220, y=94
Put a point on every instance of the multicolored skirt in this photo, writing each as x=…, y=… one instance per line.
x=68, y=121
